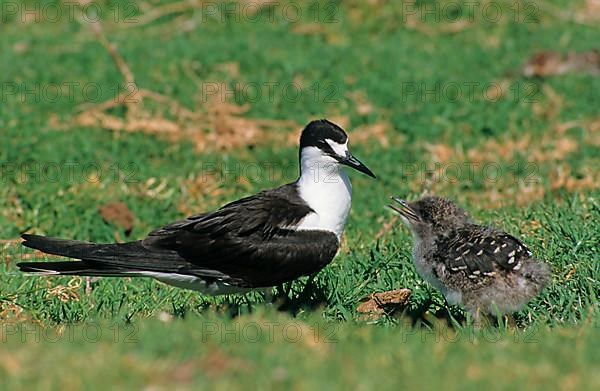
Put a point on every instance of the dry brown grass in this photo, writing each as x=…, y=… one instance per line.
x=202, y=192
x=550, y=152
x=65, y=294
x=412, y=19
x=215, y=124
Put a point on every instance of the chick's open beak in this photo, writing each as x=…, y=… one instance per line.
x=404, y=209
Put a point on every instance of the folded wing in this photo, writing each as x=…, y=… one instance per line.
x=248, y=243
x=480, y=252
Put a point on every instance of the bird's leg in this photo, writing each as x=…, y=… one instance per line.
x=280, y=295
x=309, y=284
x=88, y=286
x=510, y=321
x=480, y=320
x=248, y=303
x=288, y=291
x=447, y=305
x=452, y=320
x=269, y=297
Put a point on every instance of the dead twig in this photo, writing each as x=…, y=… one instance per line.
x=164, y=11
x=216, y=124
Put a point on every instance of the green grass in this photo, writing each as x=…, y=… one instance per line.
x=176, y=337
x=289, y=353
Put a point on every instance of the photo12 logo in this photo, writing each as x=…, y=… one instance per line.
x=470, y=11
x=470, y=171
x=469, y=91
x=269, y=91
x=266, y=331
x=471, y=335
x=130, y=12
x=269, y=11
x=68, y=11
x=69, y=172
x=67, y=91
x=89, y=332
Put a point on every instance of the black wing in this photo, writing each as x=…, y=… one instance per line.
x=479, y=252
x=251, y=239
x=247, y=243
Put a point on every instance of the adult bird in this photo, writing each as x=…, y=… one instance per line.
x=256, y=242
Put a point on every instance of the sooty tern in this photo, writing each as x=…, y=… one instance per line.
x=256, y=242
x=484, y=269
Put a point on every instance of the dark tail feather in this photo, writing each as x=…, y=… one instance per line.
x=70, y=268
x=111, y=259
x=56, y=246
x=94, y=252
x=67, y=248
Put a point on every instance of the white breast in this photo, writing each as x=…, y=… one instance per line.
x=327, y=190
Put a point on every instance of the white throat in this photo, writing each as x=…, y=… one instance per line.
x=326, y=188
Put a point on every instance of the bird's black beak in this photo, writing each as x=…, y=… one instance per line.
x=353, y=162
x=404, y=209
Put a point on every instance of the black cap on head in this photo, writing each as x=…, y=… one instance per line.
x=324, y=135
x=316, y=132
